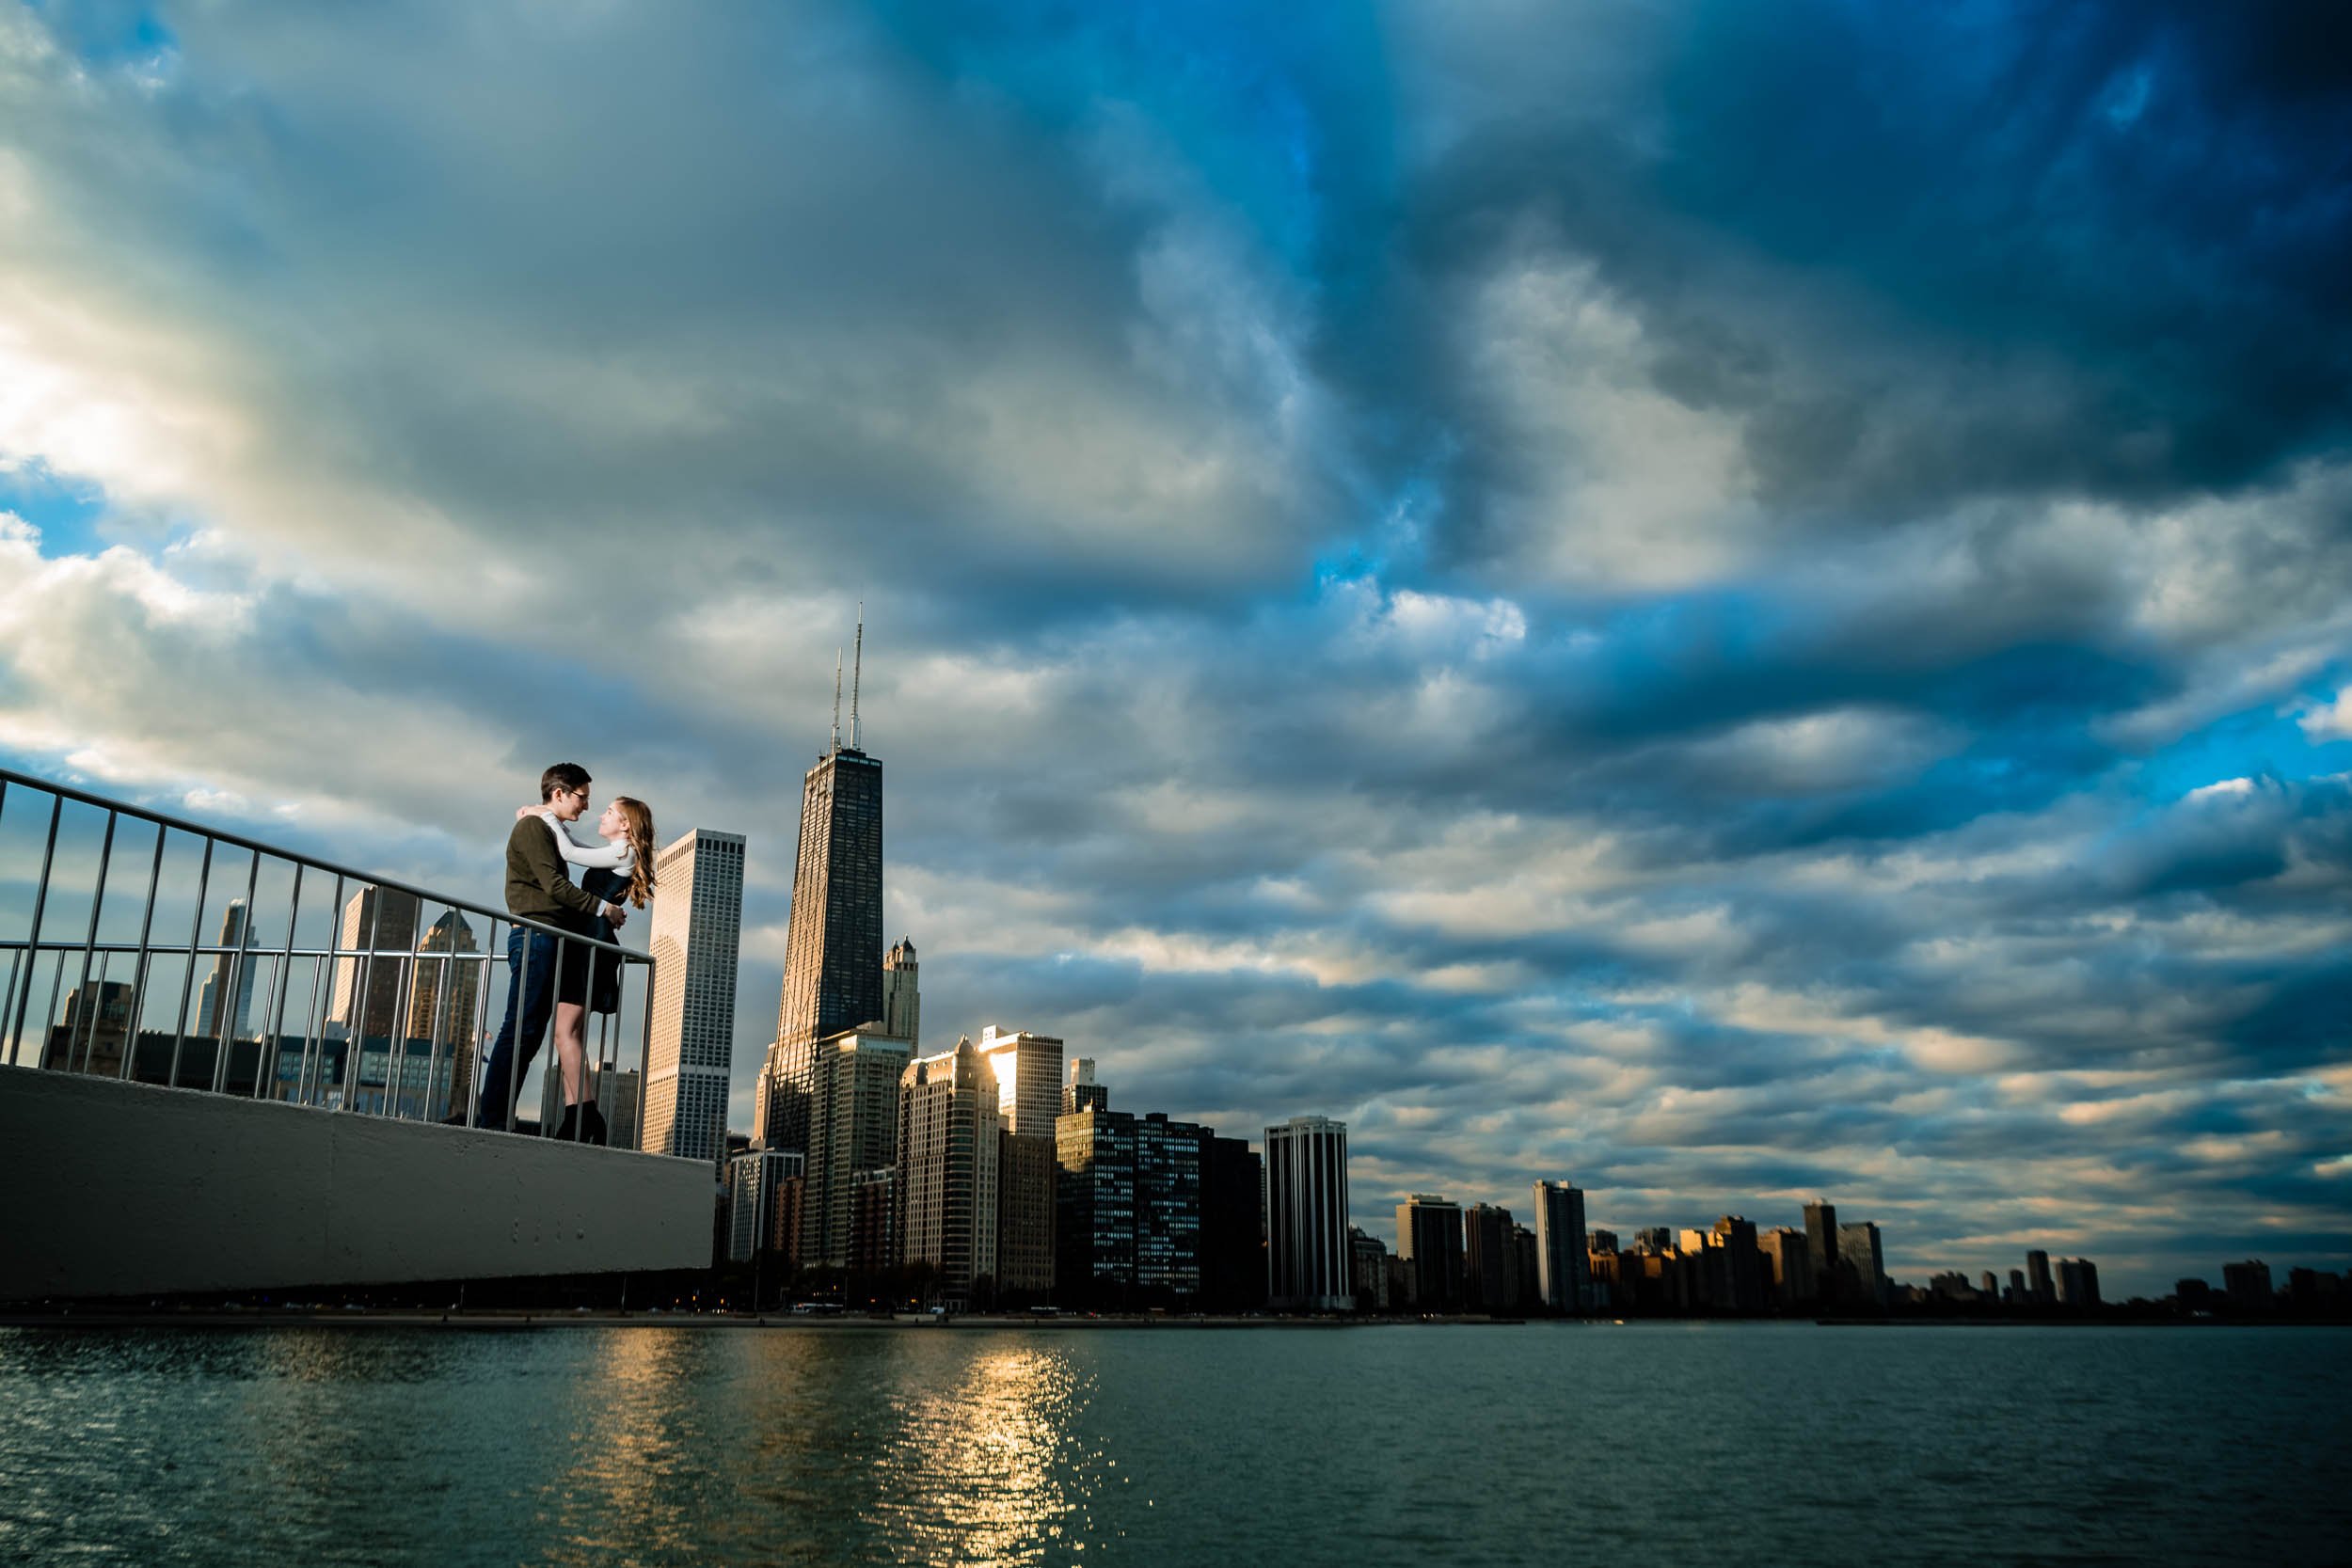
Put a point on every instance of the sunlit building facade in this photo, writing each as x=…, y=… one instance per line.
x=690, y=1051
x=947, y=1172
x=852, y=1129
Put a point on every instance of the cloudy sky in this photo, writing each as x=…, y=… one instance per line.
x=1728, y=602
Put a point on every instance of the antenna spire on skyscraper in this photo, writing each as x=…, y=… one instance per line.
x=857, y=668
x=837, y=699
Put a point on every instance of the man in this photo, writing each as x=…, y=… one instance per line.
x=539, y=888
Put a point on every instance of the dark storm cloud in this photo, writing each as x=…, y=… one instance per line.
x=1923, y=255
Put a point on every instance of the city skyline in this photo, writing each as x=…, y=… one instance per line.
x=1723, y=609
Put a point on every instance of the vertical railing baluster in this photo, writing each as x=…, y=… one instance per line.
x=315, y=1016
x=266, y=1066
x=187, y=981
x=89, y=942
x=139, y=970
x=442, y=998
x=481, y=1017
x=364, y=974
x=396, y=1037
x=32, y=939
x=225, y=1009
x=645, y=1049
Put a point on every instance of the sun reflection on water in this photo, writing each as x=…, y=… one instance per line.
x=986, y=1468
x=833, y=1446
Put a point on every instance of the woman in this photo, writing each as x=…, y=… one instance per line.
x=621, y=869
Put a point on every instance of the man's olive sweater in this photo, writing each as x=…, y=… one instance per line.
x=537, y=886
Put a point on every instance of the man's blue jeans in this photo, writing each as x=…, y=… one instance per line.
x=531, y=994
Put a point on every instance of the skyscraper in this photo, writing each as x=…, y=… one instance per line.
x=902, y=1002
x=1028, y=1069
x=852, y=1129
x=1741, y=1266
x=1028, y=1072
x=1562, y=1263
x=1233, y=1226
x=697, y=932
x=1308, y=1261
x=1488, y=1270
x=1027, y=1176
x=1788, y=1261
x=1820, y=1232
x=94, y=1033
x=443, y=1000
x=755, y=1183
x=1080, y=1092
x=1860, y=1256
x=233, y=968
x=380, y=924
x=1094, y=1215
x=833, y=948
x=2038, y=1273
x=1429, y=1239
x=947, y=1148
x=2078, y=1283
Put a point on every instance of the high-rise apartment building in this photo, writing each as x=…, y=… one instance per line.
x=833, y=949
x=2077, y=1283
x=1562, y=1264
x=379, y=925
x=444, y=998
x=696, y=936
x=1368, y=1268
x=1095, y=1213
x=947, y=1174
x=2038, y=1275
x=852, y=1128
x=1821, y=1234
x=1155, y=1212
x=2248, y=1286
x=1233, y=1226
x=1028, y=1072
x=1429, y=1239
x=1168, y=1211
x=1307, y=1260
x=903, y=996
x=1788, y=1263
x=755, y=1182
x=1860, y=1258
x=1028, y=1069
x=1741, y=1273
x=1487, y=1268
x=94, y=1033
x=1080, y=1092
x=1028, y=1174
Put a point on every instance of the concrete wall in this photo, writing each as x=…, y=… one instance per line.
x=112, y=1189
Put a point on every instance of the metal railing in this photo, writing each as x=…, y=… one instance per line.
x=394, y=1015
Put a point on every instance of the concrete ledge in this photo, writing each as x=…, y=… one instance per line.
x=112, y=1189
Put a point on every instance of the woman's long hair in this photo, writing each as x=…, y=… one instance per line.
x=637, y=816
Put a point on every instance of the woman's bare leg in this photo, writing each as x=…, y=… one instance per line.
x=571, y=1052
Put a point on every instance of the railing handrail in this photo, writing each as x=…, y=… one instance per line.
x=9, y=777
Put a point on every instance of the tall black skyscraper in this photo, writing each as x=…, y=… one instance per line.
x=833, y=950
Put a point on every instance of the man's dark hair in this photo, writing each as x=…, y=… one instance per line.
x=564, y=775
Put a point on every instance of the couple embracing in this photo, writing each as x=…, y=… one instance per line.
x=550, y=977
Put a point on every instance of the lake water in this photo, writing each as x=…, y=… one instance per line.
x=1783, y=1444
